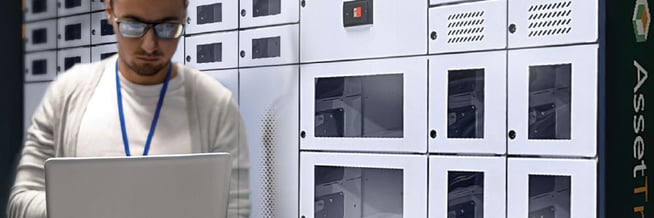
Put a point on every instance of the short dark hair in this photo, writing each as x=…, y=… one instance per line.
x=111, y=3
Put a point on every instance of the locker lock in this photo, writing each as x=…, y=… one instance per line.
x=243, y=13
x=303, y=3
x=303, y=134
x=512, y=134
x=512, y=28
x=434, y=35
x=188, y=58
x=242, y=53
x=93, y=32
x=433, y=134
x=188, y=20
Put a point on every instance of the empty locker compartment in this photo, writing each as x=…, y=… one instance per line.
x=69, y=57
x=544, y=187
x=178, y=56
x=229, y=79
x=103, y=51
x=212, y=51
x=70, y=7
x=74, y=31
x=552, y=101
x=467, y=103
x=362, y=185
x=269, y=103
x=470, y=26
x=552, y=22
x=269, y=46
x=340, y=30
x=375, y=105
x=41, y=35
x=101, y=29
x=211, y=15
x=467, y=187
x=33, y=93
x=97, y=5
x=39, y=9
x=40, y=66
x=256, y=13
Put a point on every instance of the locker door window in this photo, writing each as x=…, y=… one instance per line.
x=357, y=192
x=210, y=13
x=70, y=61
x=266, y=47
x=39, y=6
x=360, y=106
x=549, y=196
x=40, y=36
x=266, y=7
x=40, y=67
x=466, y=104
x=208, y=53
x=549, y=101
x=72, y=3
x=106, y=55
x=73, y=32
x=465, y=194
x=106, y=29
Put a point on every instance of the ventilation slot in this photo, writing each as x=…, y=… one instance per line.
x=465, y=27
x=268, y=161
x=550, y=19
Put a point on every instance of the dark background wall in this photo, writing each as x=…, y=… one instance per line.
x=11, y=92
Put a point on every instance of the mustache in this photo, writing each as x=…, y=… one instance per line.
x=155, y=53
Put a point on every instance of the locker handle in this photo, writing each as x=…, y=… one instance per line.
x=512, y=28
x=512, y=134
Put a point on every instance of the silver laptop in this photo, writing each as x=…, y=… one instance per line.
x=193, y=185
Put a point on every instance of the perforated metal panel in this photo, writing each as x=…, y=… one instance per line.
x=269, y=46
x=552, y=22
x=41, y=35
x=40, y=66
x=212, y=51
x=74, y=31
x=101, y=30
x=470, y=26
x=68, y=57
x=256, y=13
x=39, y=9
x=211, y=15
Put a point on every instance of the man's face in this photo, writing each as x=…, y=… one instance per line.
x=148, y=54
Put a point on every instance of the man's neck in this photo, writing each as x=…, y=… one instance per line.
x=135, y=78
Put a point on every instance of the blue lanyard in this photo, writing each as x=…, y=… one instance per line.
x=121, y=116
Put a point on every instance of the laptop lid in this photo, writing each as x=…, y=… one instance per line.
x=190, y=185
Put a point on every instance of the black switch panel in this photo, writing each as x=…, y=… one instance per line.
x=39, y=6
x=262, y=8
x=73, y=32
x=209, y=53
x=73, y=3
x=356, y=13
x=106, y=55
x=40, y=36
x=210, y=13
x=266, y=47
x=70, y=61
x=106, y=29
x=40, y=67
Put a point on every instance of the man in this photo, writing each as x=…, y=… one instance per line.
x=112, y=107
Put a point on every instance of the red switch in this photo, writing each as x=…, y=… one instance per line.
x=357, y=12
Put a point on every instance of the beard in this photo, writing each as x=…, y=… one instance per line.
x=147, y=69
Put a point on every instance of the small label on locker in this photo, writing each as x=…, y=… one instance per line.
x=39, y=36
x=73, y=3
x=549, y=196
x=266, y=7
x=39, y=6
x=209, y=53
x=39, y=67
x=73, y=32
x=106, y=28
x=357, y=13
x=70, y=61
x=550, y=101
x=266, y=47
x=106, y=55
x=210, y=13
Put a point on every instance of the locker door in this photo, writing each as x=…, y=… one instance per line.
x=40, y=66
x=212, y=51
x=229, y=78
x=39, y=9
x=41, y=35
x=362, y=185
x=467, y=103
x=269, y=103
x=33, y=94
x=552, y=102
x=542, y=187
x=101, y=31
x=74, y=31
x=211, y=15
x=103, y=51
x=255, y=13
x=178, y=57
x=70, y=7
x=69, y=57
x=97, y=5
x=269, y=46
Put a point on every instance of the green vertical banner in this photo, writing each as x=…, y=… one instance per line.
x=628, y=155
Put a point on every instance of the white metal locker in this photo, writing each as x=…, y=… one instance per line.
x=269, y=103
x=552, y=102
x=212, y=51
x=40, y=66
x=69, y=7
x=39, y=9
x=211, y=15
x=256, y=13
x=542, y=187
x=178, y=56
x=269, y=46
x=74, y=31
x=362, y=185
x=103, y=51
x=33, y=93
x=229, y=78
x=373, y=105
x=552, y=22
x=101, y=30
x=67, y=58
x=97, y=5
x=41, y=35
x=467, y=186
x=467, y=103
x=472, y=26
x=382, y=29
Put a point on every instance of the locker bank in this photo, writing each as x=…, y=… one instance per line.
x=414, y=108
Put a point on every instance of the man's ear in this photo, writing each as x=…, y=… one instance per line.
x=109, y=12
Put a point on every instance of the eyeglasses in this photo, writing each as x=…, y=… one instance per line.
x=136, y=29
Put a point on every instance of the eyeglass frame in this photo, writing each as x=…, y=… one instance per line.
x=148, y=27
